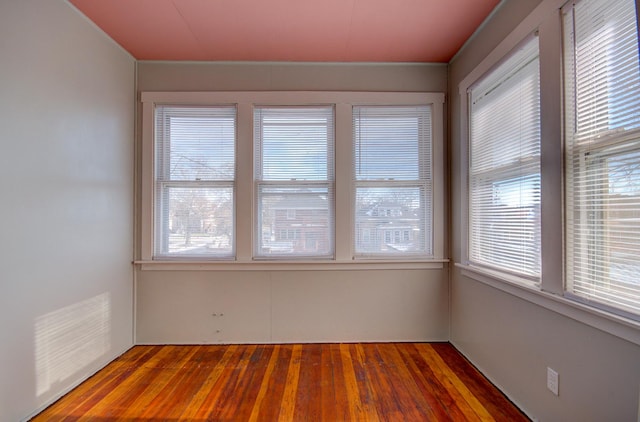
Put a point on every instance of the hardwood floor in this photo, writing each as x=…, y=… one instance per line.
x=302, y=382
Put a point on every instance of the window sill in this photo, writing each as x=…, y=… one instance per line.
x=624, y=328
x=356, y=265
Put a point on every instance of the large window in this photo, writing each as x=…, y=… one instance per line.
x=504, y=166
x=194, y=181
x=393, y=180
x=294, y=181
x=236, y=180
x=602, y=92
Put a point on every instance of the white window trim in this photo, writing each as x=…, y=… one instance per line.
x=244, y=102
x=546, y=21
x=262, y=183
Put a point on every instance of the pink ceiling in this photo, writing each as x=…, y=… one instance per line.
x=289, y=30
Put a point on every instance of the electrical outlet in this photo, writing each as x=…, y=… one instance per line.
x=552, y=381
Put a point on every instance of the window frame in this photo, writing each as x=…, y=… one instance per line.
x=163, y=182
x=503, y=172
x=263, y=183
x=245, y=188
x=423, y=182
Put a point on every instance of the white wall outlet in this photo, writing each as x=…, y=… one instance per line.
x=552, y=381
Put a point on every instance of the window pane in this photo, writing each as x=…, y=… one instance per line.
x=390, y=220
x=606, y=241
x=295, y=221
x=388, y=142
x=294, y=143
x=196, y=143
x=603, y=40
x=392, y=164
x=504, y=168
x=196, y=221
x=507, y=223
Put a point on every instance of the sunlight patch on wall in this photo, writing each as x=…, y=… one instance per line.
x=69, y=339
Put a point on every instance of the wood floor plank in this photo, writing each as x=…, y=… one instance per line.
x=491, y=398
x=264, y=385
x=145, y=384
x=365, y=401
x=249, y=377
x=474, y=411
x=332, y=405
x=307, y=405
x=111, y=400
x=92, y=390
x=434, y=393
x=221, y=391
x=299, y=382
x=393, y=401
x=288, y=404
x=405, y=385
x=169, y=394
x=197, y=374
x=270, y=406
x=197, y=408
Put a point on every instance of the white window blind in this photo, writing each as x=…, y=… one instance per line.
x=194, y=181
x=602, y=94
x=294, y=177
x=393, y=180
x=504, y=166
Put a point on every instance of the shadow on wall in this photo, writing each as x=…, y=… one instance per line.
x=68, y=340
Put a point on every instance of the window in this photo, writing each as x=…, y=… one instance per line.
x=504, y=166
x=602, y=116
x=589, y=161
x=237, y=180
x=393, y=180
x=194, y=181
x=294, y=180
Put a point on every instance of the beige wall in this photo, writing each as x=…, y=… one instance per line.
x=512, y=340
x=177, y=76
x=291, y=306
x=66, y=129
x=283, y=305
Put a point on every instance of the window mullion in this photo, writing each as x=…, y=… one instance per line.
x=344, y=176
x=244, y=185
x=551, y=156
